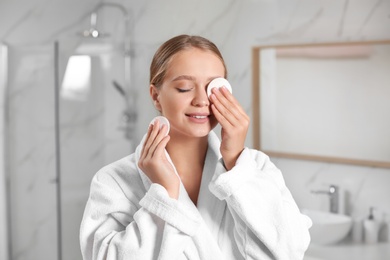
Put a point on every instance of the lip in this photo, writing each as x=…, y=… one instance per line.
x=199, y=117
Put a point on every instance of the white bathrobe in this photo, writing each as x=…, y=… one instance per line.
x=244, y=213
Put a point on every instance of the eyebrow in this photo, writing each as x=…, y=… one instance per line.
x=184, y=77
x=191, y=78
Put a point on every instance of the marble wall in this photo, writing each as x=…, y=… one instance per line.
x=89, y=138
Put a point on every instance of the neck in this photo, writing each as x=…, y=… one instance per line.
x=185, y=151
x=188, y=155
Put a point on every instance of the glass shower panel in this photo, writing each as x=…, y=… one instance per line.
x=30, y=150
x=93, y=130
x=3, y=187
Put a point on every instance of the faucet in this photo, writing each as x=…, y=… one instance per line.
x=333, y=193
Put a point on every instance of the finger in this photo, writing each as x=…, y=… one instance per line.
x=224, y=101
x=220, y=117
x=160, y=136
x=151, y=138
x=228, y=112
x=230, y=103
x=159, y=151
x=228, y=106
x=229, y=96
x=150, y=127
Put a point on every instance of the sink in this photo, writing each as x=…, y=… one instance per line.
x=328, y=228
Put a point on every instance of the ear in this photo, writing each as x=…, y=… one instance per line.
x=154, y=94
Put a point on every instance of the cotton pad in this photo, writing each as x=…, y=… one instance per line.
x=163, y=121
x=217, y=83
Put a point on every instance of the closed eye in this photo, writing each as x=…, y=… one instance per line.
x=183, y=90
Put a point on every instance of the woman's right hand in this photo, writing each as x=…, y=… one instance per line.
x=154, y=163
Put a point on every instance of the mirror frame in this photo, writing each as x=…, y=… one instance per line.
x=256, y=107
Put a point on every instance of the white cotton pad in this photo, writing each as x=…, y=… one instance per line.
x=163, y=121
x=217, y=83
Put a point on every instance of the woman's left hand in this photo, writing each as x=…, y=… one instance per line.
x=234, y=122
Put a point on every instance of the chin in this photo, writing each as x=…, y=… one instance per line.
x=195, y=131
x=201, y=133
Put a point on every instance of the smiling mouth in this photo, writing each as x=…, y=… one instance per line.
x=199, y=116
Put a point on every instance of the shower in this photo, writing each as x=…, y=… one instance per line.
x=96, y=42
x=94, y=32
x=55, y=143
x=96, y=115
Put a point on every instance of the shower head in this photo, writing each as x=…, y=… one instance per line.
x=93, y=32
x=94, y=42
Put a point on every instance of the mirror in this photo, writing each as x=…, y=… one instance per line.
x=326, y=102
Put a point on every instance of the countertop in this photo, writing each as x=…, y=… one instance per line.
x=349, y=250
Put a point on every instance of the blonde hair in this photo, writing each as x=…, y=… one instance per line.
x=167, y=50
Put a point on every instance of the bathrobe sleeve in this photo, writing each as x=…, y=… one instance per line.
x=268, y=223
x=121, y=221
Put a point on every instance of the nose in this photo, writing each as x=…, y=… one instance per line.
x=200, y=99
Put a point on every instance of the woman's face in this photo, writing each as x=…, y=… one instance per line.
x=182, y=98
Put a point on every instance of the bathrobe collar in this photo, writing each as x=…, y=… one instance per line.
x=209, y=206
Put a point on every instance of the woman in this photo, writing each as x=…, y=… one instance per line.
x=188, y=195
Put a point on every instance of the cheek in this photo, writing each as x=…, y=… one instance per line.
x=169, y=106
x=174, y=103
